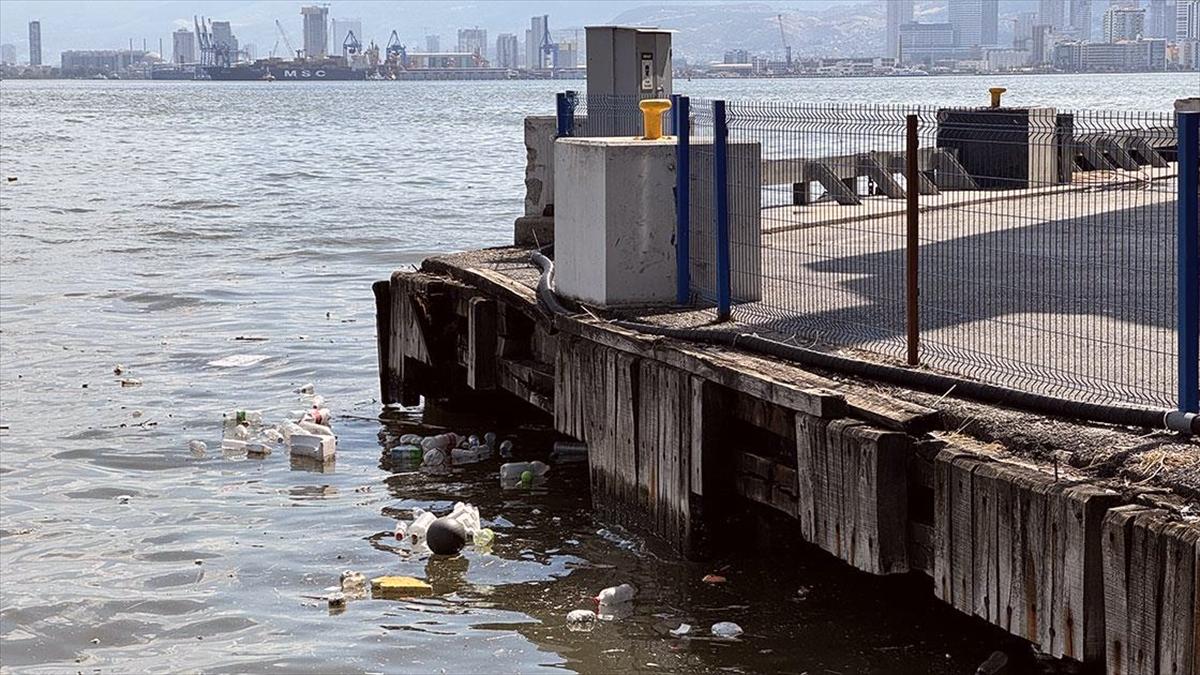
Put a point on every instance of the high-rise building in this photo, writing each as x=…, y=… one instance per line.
x=35, y=43
x=1121, y=23
x=899, y=12
x=1052, y=13
x=340, y=29
x=1023, y=29
x=974, y=21
x=224, y=41
x=184, y=42
x=1158, y=24
x=8, y=54
x=1124, y=4
x=539, y=26
x=1080, y=20
x=507, y=54
x=433, y=44
x=1187, y=19
x=472, y=41
x=316, y=31
x=930, y=42
x=1041, y=49
x=568, y=55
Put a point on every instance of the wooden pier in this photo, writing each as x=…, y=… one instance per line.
x=681, y=435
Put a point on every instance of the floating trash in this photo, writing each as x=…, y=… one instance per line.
x=726, y=629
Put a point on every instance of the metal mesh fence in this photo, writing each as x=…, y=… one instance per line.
x=1026, y=247
x=1046, y=241
x=1050, y=265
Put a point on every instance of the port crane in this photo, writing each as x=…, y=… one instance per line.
x=351, y=46
x=786, y=47
x=396, y=53
x=548, y=51
x=286, y=42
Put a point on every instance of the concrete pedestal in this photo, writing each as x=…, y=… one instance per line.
x=614, y=220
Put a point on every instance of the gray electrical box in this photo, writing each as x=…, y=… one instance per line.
x=630, y=64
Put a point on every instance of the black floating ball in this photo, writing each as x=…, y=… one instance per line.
x=445, y=536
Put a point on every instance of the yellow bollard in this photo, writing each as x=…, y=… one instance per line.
x=996, y=93
x=652, y=112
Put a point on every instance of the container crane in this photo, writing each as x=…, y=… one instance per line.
x=548, y=51
x=351, y=46
x=395, y=52
x=286, y=42
x=786, y=47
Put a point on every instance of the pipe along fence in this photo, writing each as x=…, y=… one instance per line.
x=1048, y=251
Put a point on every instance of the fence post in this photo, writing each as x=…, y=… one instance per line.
x=912, y=244
x=564, y=110
x=721, y=207
x=1187, y=121
x=683, y=199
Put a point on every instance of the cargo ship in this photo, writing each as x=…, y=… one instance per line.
x=284, y=71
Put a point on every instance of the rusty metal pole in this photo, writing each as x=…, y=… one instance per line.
x=912, y=192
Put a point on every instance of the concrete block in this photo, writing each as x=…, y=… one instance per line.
x=614, y=222
x=539, y=165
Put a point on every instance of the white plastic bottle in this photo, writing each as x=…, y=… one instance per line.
x=615, y=595
x=422, y=519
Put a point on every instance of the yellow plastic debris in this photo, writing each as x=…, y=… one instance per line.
x=399, y=587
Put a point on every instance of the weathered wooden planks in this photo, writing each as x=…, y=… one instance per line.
x=1150, y=596
x=389, y=382
x=1021, y=550
x=852, y=492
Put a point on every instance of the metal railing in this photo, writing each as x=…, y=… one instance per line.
x=1046, y=251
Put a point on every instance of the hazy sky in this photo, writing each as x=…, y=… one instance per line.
x=110, y=24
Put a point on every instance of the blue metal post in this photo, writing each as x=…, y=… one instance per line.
x=721, y=207
x=1187, y=119
x=683, y=199
x=564, y=110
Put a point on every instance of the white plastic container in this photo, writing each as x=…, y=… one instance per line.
x=313, y=446
x=615, y=595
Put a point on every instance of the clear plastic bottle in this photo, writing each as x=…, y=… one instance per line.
x=248, y=417
x=512, y=471
x=318, y=416
x=483, y=538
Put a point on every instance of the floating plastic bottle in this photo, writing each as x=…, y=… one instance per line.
x=289, y=429
x=511, y=472
x=506, y=449
x=306, y=389
x=354, y=584
x=581, y=620
x=422, y=519
x=248, y=417
x=726, y=629
x=464, y=456
x=440, y=442
x=318, y=416
x=410, y=439
x=316, y=429
x=483, y=538
x=198, y=447
x=615, y=595
x=435, y=460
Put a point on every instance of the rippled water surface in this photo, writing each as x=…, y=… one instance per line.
x=160, y=225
